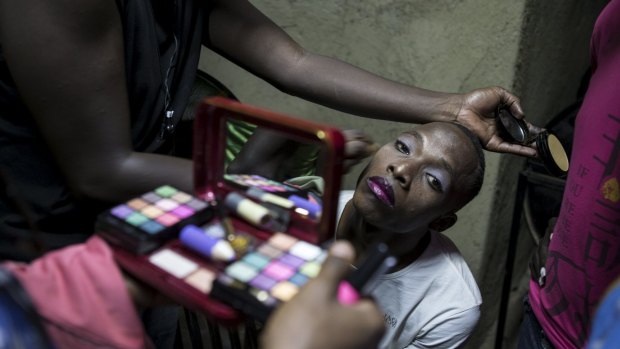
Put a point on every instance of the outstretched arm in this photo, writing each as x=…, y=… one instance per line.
x=67, y=60
x=240, y=32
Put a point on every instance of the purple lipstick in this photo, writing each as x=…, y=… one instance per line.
x=382, y=189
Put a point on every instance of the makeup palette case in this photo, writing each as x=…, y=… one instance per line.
x=241, y=243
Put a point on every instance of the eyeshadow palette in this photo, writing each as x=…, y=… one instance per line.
x=272, y=273
x=144, y=223
x=260, y=182
x=234, y=228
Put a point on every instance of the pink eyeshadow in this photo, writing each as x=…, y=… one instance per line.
x=182, y=211
x=167, y=219
x=278, y=271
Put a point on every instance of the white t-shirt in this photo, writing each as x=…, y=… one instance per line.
x=432, y=303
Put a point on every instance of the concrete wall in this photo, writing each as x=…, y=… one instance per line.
x=536, y=48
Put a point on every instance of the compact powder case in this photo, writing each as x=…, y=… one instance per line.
x=550, y=149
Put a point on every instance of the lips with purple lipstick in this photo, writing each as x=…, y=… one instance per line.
x=382, y=189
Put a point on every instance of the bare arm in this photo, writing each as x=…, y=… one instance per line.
x=240, y=32
x=67, y=60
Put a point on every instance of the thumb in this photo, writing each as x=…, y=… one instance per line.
x=336, y=266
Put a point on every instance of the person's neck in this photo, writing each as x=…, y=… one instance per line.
x=406, y=247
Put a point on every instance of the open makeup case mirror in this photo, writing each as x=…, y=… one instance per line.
x=272, y=219
x=313, y=158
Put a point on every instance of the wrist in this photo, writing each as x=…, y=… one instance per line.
x=431, y=106
x=449, y=107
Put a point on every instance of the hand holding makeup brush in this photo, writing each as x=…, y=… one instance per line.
x=314, y=318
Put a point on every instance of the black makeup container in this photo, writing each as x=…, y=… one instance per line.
x=550, y=150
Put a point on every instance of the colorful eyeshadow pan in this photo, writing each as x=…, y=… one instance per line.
x=145, y=223
x=242, y=271
x=282, y=242
x=257, y=260
x=284, y=291
x=272, y=273
x=255, y=181
x=202, y=280
x=173, y=263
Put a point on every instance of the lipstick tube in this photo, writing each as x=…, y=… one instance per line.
x=196, y=239
x=247, y=209
x=313, y=209
x=270, y=198
x=363, y=280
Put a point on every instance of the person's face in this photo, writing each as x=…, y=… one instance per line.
x=416, y=179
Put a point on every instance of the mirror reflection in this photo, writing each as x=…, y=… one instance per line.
x=275, y=168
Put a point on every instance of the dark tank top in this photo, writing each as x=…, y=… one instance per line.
x=162, y=49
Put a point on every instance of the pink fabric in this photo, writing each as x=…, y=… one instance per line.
x=584, y=253
x=81, y=296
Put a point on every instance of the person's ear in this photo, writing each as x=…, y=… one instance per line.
x=444, y=222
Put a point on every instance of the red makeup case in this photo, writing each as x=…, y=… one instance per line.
x=186, y=276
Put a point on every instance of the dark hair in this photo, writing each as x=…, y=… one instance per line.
x=474, y=181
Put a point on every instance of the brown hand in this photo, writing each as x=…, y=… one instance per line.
x=477, y=114
x=358, y=147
